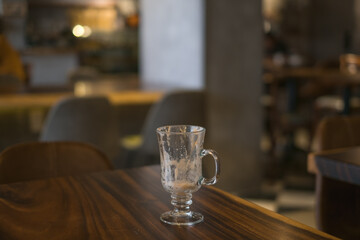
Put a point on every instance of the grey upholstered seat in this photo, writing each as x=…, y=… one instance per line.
x=83, y=119
x=175, y=108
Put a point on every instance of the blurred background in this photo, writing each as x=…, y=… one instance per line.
x=270, y=71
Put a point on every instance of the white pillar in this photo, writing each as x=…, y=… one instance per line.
x=171, y=43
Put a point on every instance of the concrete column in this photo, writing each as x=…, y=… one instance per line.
x=233, y=81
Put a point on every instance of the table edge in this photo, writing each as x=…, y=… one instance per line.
x=273, y=214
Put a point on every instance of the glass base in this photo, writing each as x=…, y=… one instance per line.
x=185, y=219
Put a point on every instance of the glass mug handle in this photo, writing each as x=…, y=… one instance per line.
x=213, y=154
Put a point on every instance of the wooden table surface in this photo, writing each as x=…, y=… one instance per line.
x=126, y=204
x=49, y=99
x=341, y=164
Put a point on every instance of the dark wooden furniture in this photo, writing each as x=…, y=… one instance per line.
x=342, y=164
x=337, y=170
x=338, y=191
x=126, y=204
x=37, y=160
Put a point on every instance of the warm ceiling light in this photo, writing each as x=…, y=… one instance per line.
x=87, y=31
x=78, y=31
x=81, y=31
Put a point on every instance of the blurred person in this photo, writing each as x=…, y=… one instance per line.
x=274, y=45
x=275, y=52
x=10, y=62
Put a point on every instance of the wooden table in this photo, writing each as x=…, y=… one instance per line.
x=49, y=99
x=126, y=204
x=337, y=190
x=340, y=164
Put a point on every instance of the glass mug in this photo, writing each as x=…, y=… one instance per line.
x=181, y=153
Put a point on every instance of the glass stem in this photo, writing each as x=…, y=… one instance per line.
x=181, y=203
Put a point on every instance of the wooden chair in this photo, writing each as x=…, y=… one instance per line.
x=337, y=202
x=84, y=119
x=37, y=160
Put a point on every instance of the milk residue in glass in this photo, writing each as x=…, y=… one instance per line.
x=181, y=176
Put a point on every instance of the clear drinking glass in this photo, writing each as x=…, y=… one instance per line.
x=181, y=153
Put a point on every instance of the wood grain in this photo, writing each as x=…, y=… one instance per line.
x=341, y=164
x=126, y=204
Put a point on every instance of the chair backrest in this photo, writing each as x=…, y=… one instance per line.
x=83, y=119
x=175, y=108
x=337, y=132
x=37, y=160
x=337, y=203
